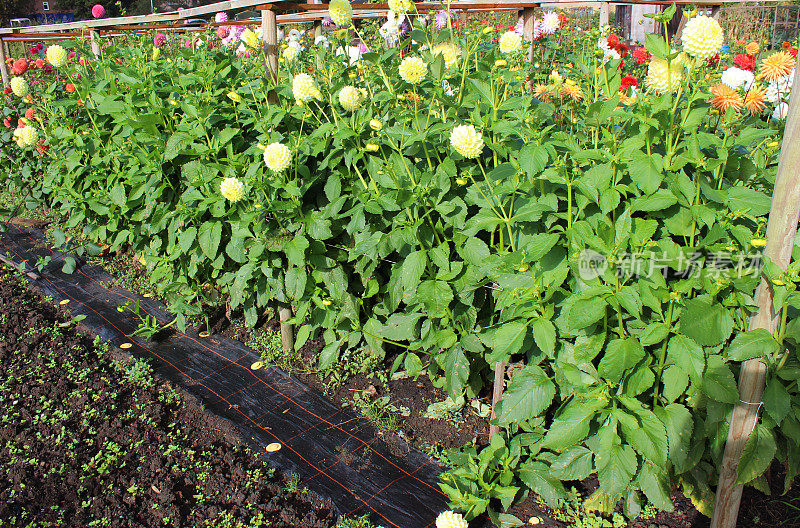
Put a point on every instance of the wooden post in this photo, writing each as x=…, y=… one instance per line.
x=3, y=65
x=527, y=30
x=269, y=30
x=604, y=14
x=497, y=394
x=781, y=230
x=287, y=333
x=95, y=38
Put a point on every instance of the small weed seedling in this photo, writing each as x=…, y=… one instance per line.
x=149, y=326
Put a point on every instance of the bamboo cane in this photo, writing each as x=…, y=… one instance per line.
x=781, y=230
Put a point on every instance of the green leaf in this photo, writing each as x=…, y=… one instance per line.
x=436, y=296
x=575, y=463
x=620, y=355
x=118, y=195
x=777, y=400
x=648, y=437
x=570, y=427
x=585, y=312
x=412, y=268
x=209, y=236
x=707, y=322
x=757, y=455
x=536, y=475
x=533, y=159
x=508, y=340
x=646, y=171
x=187, y=238
x=652, y=482
x=657, y=201
x=679, y=425
x=615, y=470
x=456, y=372
x=295, y=250
x=526, y=397
x=718, y=381
x=688, y=356
x=757, y=343
x=544, y=334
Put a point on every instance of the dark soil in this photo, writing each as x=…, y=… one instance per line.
x=87, y=441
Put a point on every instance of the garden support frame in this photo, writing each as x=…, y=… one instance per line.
x=781, y=230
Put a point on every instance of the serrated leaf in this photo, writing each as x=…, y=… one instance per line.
x=616, y=469
x=575, y=463
x=544, y=334
x=654, y=486
x=708, y=323
x=759, y=450
x=688, y=356
x=536, y=475
x=718, y=382
x=209, y=236
x=620, y=355
x=777, y=400
x=757, y=343
x=570, y=427
x=508, y=340
x=528, y=394
x=679, y=426
x=412, y=268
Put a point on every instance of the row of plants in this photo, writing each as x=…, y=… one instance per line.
x=593, y=217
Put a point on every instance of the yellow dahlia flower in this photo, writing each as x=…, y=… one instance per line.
x=401, y=6
x=56, y=55
x=232, y=189
x=413, y=70
x=662, y=77
x=340, y=11
x=702, y=37
x=571, y=90
x=451, y=519
x=752, y=48
x=304, y=88
x=290, y=53
x=724, y=97
x=449, y=52
x=755, y=100
x=510, y=42
x=26, y=136
x=277, y=157
x=350, y=98
x=19, y=86
x=251, y=38
x=467, y=141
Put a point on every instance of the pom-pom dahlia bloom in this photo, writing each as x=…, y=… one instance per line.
x=56, y=55
x=277, y=157
x=448, y=51
x=662, y=77
x=413, y=70
x=26, y=136
x=467, y=141
x=451, y=519
x=350, y=98
x=340, y=11
x=702, y=37
x=19, y=86
x=232, y=189
x=401, y=6
x=510, y=42
x=159, y=40
x=738, y=78
x=221, y=17
x=98, y=11
x=304, y=88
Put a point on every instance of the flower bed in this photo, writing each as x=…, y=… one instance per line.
x=593, y=218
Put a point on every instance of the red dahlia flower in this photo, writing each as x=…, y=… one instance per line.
x=641, y=55
x=628, y=81
x=745, y=61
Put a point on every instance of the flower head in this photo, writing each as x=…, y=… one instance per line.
x=781, y=111
x=451, y=519
x=467, y=141
x=340, y=11
x=290, y=53
x=550, y=23
x=98, y=11
x=628, y=81
x=413, y=70
x=663, y=77
x=724, y=97
x=26, y=136
x=304, y=88
x=222, y=16
x=375, y=124
x=449, y=52
x=20, y=66
x=745, y=62
x=702, y=37
x=19, y=86
x=350, y=98
x=641, y=55
x=510, y=42
x=752, y=48
x=776, y=66
x=277, y=156
x=56, y=55
x=440, y=19
x=232, y=189
x=570, y=90
x=401, y=6
x=755, y=100
x=542, y=92
x=223, y=32
x=159, y=40
x=738, y=78
x=251, y=38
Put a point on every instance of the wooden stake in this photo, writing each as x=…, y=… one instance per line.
x=95, y=38
x=604, y=14
x=269, y=29
x=3, y=65
x=497, y=394
x=287, y=333
x=781, y=230
x=527, y=30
